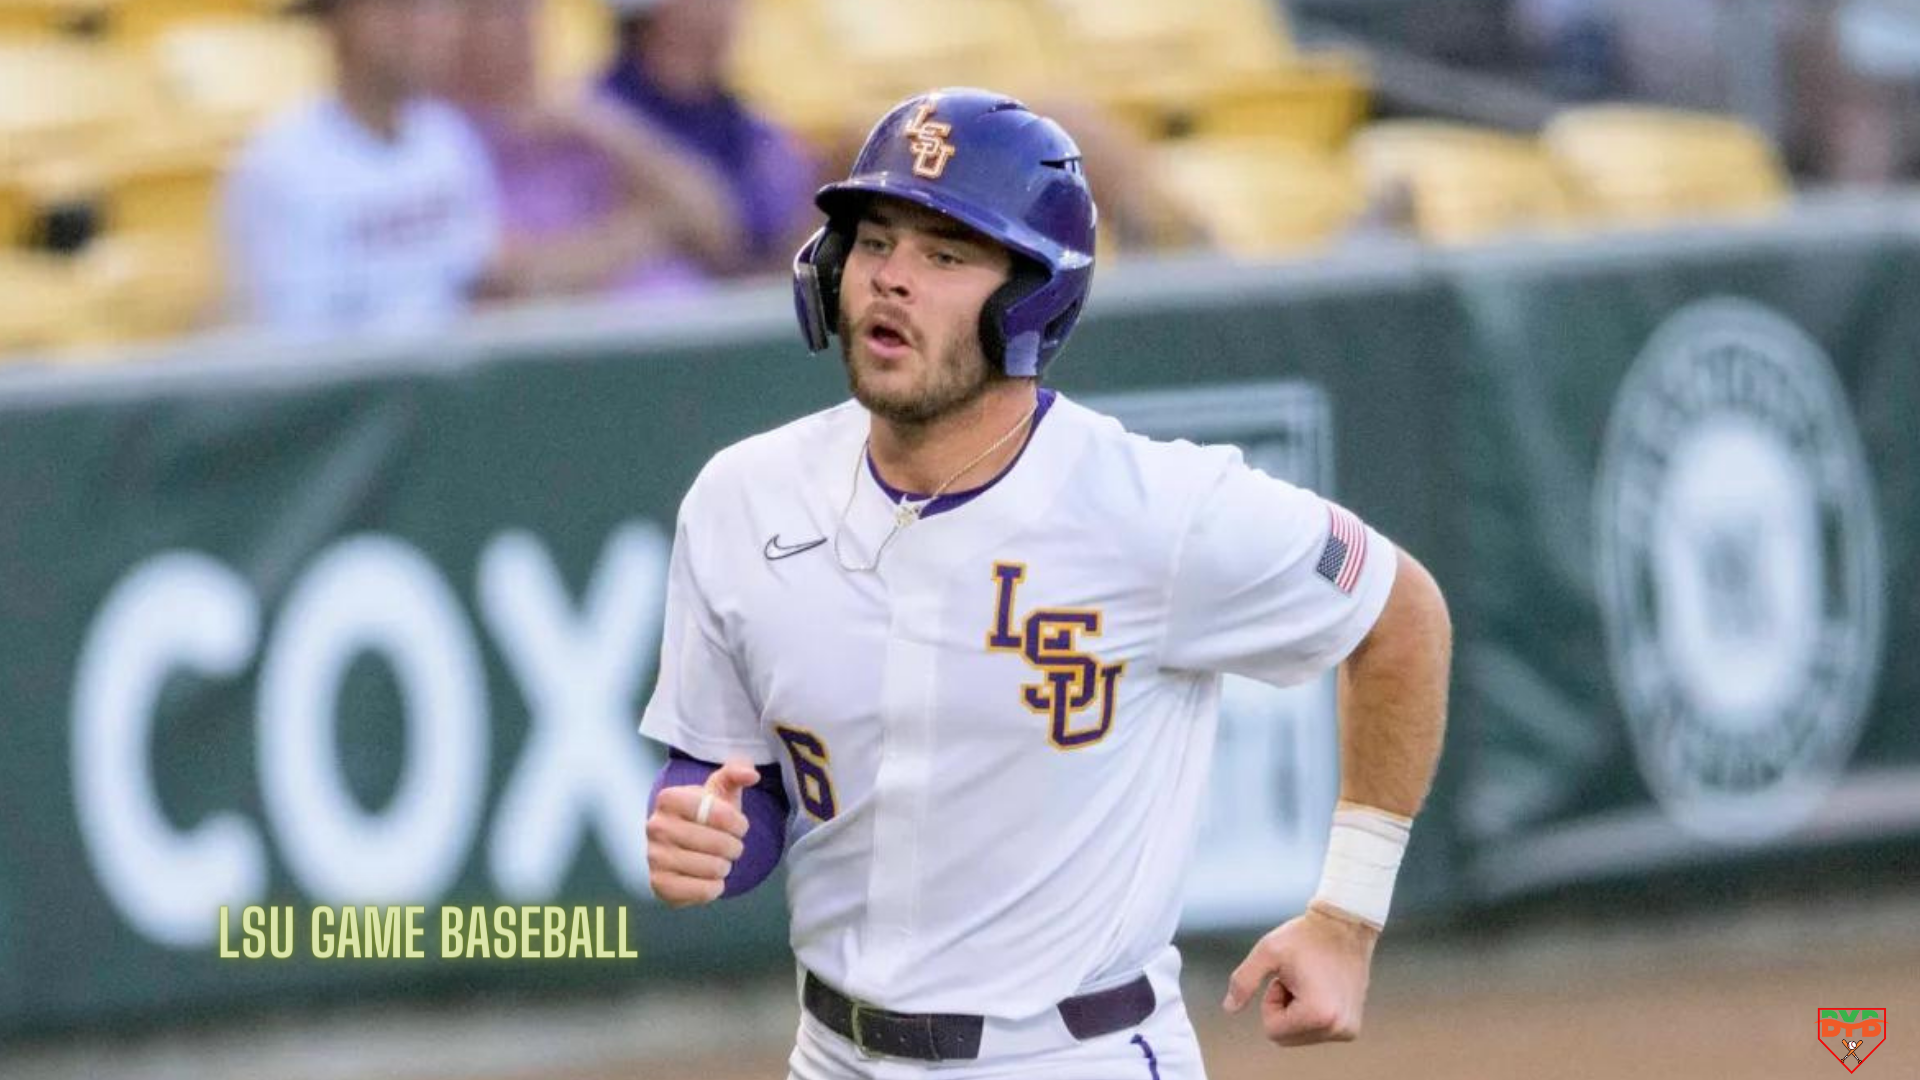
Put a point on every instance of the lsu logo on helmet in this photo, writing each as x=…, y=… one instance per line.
x=929, y=141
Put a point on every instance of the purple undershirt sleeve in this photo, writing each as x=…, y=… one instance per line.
x=765, y=805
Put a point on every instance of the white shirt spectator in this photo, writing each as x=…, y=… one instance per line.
x=331, y=229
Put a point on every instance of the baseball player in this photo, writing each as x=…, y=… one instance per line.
x=954, y=649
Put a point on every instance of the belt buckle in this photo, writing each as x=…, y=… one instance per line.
x=859, y=1008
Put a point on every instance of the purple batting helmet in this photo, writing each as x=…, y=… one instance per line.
x=989, y=162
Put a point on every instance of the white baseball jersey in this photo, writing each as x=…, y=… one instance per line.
x=996, y=743
x=330, y=229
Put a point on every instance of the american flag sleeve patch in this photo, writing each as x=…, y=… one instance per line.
x=1346, y=550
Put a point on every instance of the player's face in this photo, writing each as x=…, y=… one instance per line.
x=910, y=300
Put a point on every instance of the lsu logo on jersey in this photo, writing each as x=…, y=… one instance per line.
x=928, y=139
x=1075, y=691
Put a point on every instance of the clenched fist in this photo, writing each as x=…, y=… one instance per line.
x=1319, y=964
x=688, y=857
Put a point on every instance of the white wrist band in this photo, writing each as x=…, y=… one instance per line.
x=1363, y=858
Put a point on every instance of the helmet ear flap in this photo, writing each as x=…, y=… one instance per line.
x=1026, y=278
x=816, y=283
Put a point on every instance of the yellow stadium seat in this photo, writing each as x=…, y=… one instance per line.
x=902, y=47
x=16, y=210
x=1125, y=43
x=1261, y=197
x=122, y=287
x=576, y=42
x=61, y=96
x=1245, y=35
x=1212, y=67
x=1642, y=165
x=241, y=70
x=46, y=184
x=43, y=304
x=1460, y=183
x=162, y=187
x=787, y=64
x=161, y=177
x=1124, y=50
x=147, y=285
x=1317, y=100
x=32, y=19
x=140, y=21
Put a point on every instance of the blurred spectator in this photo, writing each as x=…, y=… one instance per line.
x=371, y=210
x=1674, y=51
x=671, y=69
x=593, y=199
x=1573, y=43
x=1870, y=102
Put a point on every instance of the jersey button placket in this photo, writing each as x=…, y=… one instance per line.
x=902, y=784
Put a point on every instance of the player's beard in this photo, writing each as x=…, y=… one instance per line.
x=956, y=375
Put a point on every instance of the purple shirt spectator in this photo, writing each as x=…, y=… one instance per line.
x=770, y=173
x=553, y=184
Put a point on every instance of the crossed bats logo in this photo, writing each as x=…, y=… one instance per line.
x=1857, y=1032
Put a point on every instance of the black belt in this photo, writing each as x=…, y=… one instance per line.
x=955, y=1036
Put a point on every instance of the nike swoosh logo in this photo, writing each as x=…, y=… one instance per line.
x=777, y=550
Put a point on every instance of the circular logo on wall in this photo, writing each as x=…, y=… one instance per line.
x=1740, y=572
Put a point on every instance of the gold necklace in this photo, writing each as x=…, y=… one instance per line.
x=906, y=512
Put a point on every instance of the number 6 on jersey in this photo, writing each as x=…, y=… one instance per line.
x=810, y=760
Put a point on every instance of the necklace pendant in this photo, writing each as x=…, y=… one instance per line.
x=905, y=514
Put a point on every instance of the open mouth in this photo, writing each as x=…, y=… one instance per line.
x=887, y=336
